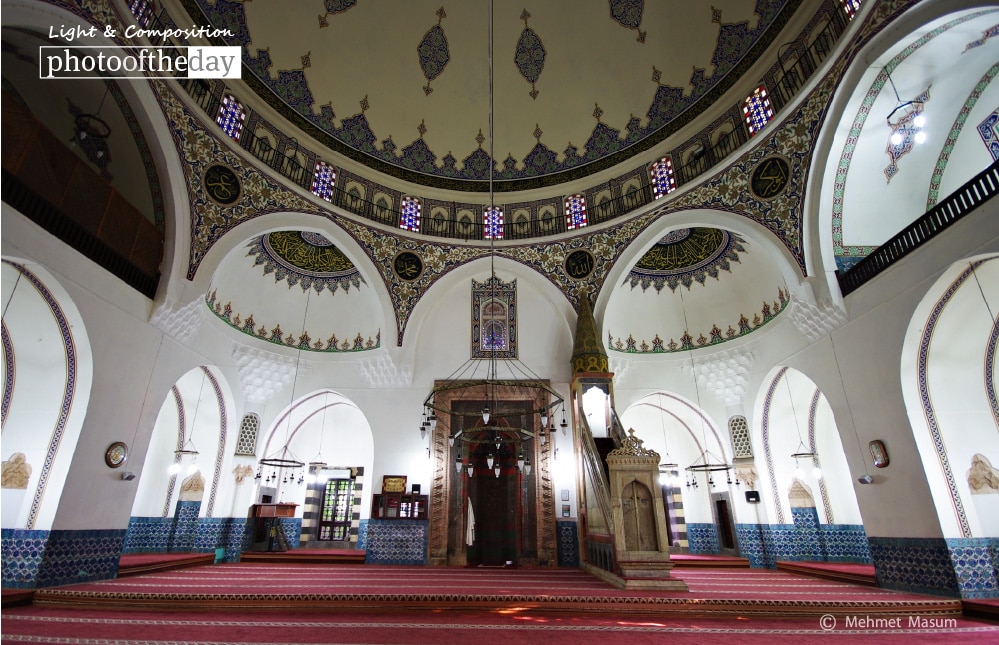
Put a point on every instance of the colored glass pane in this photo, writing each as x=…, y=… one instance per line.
x=663, y=180
x=757, y=110
x=493, y=224
x=575, y=212
x=409, y=214
x=231, y=116
x=323, y=179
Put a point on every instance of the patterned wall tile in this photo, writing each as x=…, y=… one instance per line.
x=23, y=550
x=362, y=534
x=568, y=543
x=846, y=543
x=703, y=538
x=809, y=546
x=47, y=558
x=80, y=556
x=397, y=542
x=975, y=563
x=184, y=527
x=148, y=535
x=921, y=565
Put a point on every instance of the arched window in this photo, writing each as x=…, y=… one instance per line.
x=663, y=180
x=851, y=7
x=231, y=116
x=757, y=110
x=409, y=214
x=323, y=178
x=246, y=444
x=575, y=212
x=738, y=429
x=143, y=11
x=494, y=318
x=493, y=223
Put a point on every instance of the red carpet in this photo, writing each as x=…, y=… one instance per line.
x=102, y=627
x=713, y=592
x=261, y=603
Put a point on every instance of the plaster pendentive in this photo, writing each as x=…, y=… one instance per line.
x=815, y=320
x=382, y=371
x=725, y=373
x=262, y=373
x=179, y=321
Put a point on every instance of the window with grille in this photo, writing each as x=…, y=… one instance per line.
x=757, y=110
x=334, y=519
x=738, y=429
x=231, y=116
x=323, y=178
x=493, y=223
x=409, y=214
x=851, y=7
x=575, y=212
x=663, y=180
x=246, y=444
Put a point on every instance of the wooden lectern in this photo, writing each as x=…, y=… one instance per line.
x=267, y=533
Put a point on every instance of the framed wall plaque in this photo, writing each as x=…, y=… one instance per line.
x=394, y=484
x=878, y=453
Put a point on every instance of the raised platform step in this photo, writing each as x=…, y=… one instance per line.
x=860, y=574
x=712, y=592
x=987, y=608
x=133, y=564
x=305, y=556
x=16, y=597
x=687, y=561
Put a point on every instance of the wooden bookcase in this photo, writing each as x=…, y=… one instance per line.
x=399, y=506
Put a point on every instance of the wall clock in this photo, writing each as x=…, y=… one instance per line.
x=116, y=454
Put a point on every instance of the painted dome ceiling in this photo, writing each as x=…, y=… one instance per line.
x=579, y=85
x=296, y=288
x=695, y=287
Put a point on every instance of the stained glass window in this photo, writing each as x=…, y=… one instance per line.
x=851, y=7
x=757, y=110
x=494, y=323
x=409, y=214
x=323, y=179
x=575, y=212
x=231, y=116
x=142, y=10
x=493, y=223
x=663, y=180
x=494, y=319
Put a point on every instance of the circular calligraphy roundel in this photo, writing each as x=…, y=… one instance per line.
x=770, y=177
x=221, y=184
x=579, y=264
x=408, y=266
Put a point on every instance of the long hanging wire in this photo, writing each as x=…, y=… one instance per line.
x=988, y=308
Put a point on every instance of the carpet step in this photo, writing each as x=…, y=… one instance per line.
x=16, y=597
x=305, y=556
x=987, y=608
x=682, y=561
x=856, y=574
x=138, y=564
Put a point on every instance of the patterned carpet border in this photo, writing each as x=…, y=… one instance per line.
x=701, y=606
